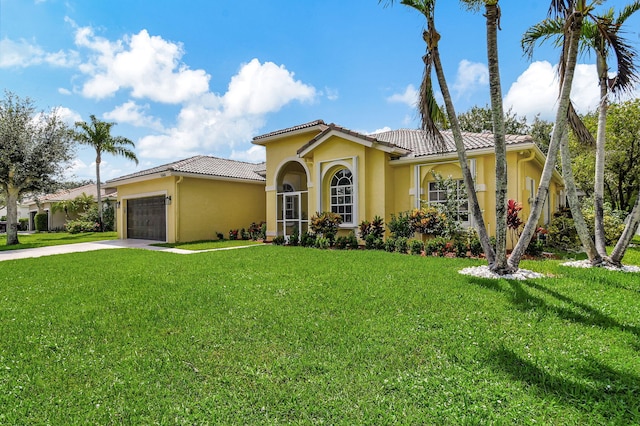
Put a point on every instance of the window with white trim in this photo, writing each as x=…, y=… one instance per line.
x=341, y=195
x=291, y=205
x=439, y=194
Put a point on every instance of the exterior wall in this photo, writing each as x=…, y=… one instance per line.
x=154, y=187
x=208, y=206
x=199, y=207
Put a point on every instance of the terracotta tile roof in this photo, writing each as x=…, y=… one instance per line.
x=206, y=166
x=420, y=145
x=334, y=127
x=291, y=129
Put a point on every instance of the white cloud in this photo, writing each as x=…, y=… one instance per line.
x=22, y=54
x=134, y=114
x=409, y=97
x=64, y=91
x=68, y=116
x=332, y=94
x=148, y=66
x=261, y=88
x=384, y=129
x=471, y=75
x=255, y=154
x=536, y=91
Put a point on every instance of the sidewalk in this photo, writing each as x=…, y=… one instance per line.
x=98, y=245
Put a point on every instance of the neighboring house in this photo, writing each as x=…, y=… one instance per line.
x=23, y=211
x=318, y=167
x=188, y=200
x=57, y=220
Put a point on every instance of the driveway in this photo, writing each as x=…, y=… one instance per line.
x=99, y=245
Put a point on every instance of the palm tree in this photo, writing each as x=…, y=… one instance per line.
x=492, y=15
x=600, y=34
x=97, y=134
x=573, y=12
x=427, y=111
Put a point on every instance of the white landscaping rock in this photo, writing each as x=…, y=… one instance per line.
x=485, y=272
x=587, y=264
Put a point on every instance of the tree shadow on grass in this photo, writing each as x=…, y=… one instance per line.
x=572, y=310
x=591, y=386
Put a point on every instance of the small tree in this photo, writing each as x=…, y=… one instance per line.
x=35, y=150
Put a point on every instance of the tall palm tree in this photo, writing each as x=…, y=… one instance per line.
x=573, y=12
x=432, y=59
x=492, y=15
x=97, y=134
x=601, y=35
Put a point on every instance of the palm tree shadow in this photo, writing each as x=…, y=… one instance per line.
x=570, y=310
x=594, y=384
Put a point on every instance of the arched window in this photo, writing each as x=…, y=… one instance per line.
x=341, y=191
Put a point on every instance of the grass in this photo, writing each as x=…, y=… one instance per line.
x=44, y=239
x=287, y=335
x=208, y=244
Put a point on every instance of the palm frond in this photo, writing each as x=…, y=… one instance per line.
x=627, y=11
x=578, y=127
x=541, y=32
x=627, y=75
x=430, y=112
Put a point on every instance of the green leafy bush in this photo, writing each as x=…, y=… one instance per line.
x=428, y=221
x=294, y=239
x=473, y=241
x=323, y=243
x=390, y=245
x=416, y=247
x=352, y=241
x=308, y=240
x=23, y=224
x=80, y=225
x=375, y=227
x=435, y=246
x=400, y=225
x=373, y=243
x=402, y=245
x=341, y=242
x=41, y=222
x=278, y=241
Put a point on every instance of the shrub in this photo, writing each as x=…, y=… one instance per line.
x=323, y=243
x=325, y=224
x=373, y=243
x=78, y=226
x=220, y=235
x=23, y=224
x=460, y=247
x=41, y=221
x=416, y=247
x=294, y=239
x=257, y=231
x=513, y=220
x=244, y=234
x=473, y=241
x=308, y=240
x=375, y=227
x=402, y=245
x=233, y=234
x=352, y=241
x=400, y=225
x=341, y=242
x=436, y=246
x=278, y=241
x=390, y=245
x=428, y=220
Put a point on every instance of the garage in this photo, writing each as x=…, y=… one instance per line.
x=147, y=218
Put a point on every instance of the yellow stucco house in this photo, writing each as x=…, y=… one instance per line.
x=318, y=167
x=189, y=200
x=315, y=167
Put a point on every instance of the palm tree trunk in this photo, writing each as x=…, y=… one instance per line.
x=574, y=203
x=99, y=190
x=598, y=185
x=493, y=15
x=627, y=235
x=474, y=206
x=556, y=136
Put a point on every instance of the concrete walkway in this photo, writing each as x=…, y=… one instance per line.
x=99, y=245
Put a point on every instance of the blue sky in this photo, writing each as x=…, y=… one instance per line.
x=205, y=76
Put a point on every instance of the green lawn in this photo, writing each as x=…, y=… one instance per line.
x=209, y=245
x=288, y=335
x=43, y=239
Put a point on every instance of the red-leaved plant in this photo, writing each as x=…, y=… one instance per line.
x=513, y=220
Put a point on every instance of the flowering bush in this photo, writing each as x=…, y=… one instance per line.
x=427, y=220
x=233, y=234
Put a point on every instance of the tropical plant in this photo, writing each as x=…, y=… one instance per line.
x=400, y=225
x=97, y=134
x=601, y=34
x=428, y=221
x=573, y=12
x=326, y=224
x=416, y=247
x=513, y=219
